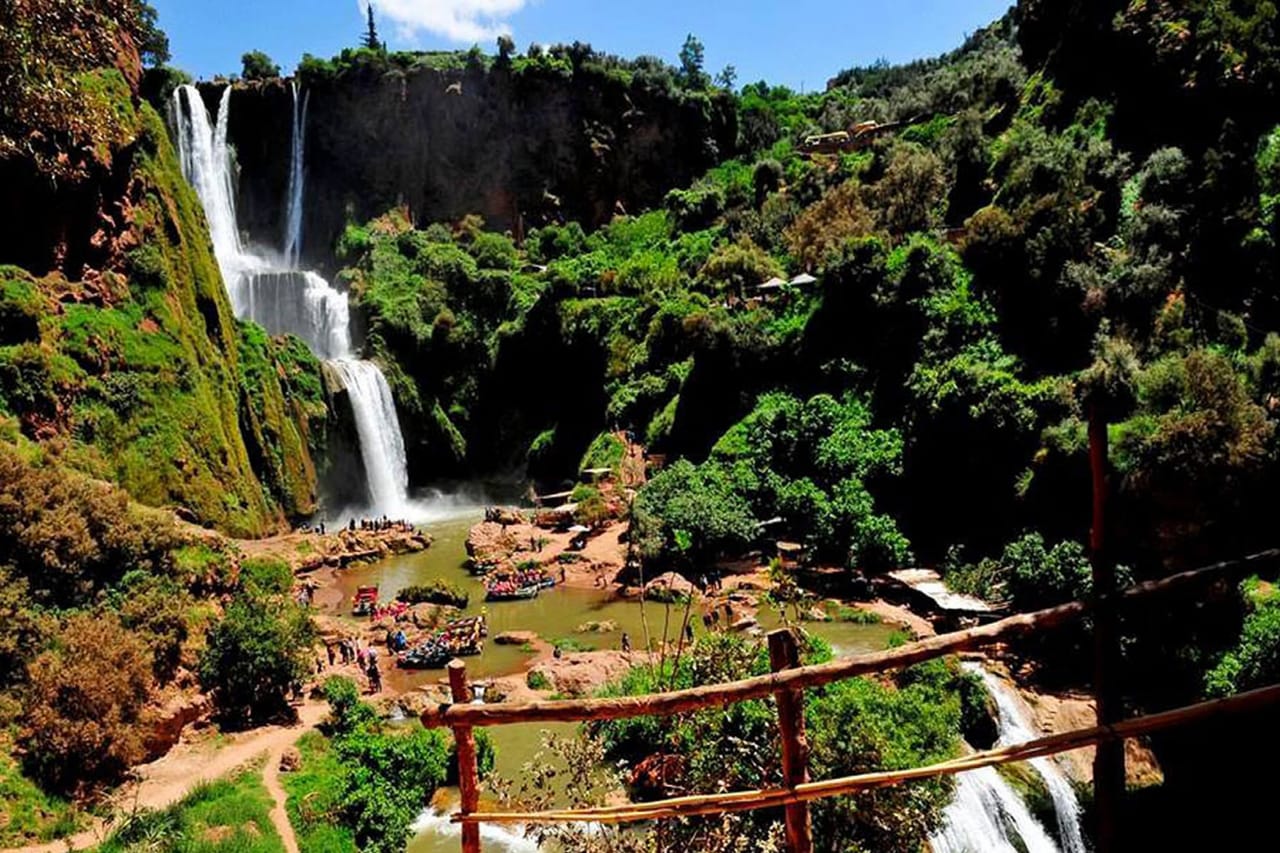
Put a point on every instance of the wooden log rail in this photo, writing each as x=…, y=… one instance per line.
x=761, y=686
x=702, y=804
x=786, y=683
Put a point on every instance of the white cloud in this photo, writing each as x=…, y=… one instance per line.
x=464, y=21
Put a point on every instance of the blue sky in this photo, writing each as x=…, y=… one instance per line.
x=800, y=43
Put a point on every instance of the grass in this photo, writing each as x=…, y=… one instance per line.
x=537, y=681
x=858, y=616
x=312, y=795
x=226, y=816
x=572, y=644
x=31, y=815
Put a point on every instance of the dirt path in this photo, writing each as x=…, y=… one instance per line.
x=279, y=814
x=169, y=779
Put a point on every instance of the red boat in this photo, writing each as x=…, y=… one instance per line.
x=364, y=601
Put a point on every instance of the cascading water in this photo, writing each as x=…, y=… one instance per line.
x=987, y=814
x=277, y=295
x=293, y=216
x=381, y=448
x=1015, y=728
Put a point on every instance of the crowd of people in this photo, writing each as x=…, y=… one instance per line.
x=460, y=638
x=379, y=524
x=347, y=651
x=510, y=583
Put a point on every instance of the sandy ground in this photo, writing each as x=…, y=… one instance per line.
x=167, y=780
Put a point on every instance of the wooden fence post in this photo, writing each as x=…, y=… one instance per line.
x=795, y=747
x=1108, y=762
x=468, y=774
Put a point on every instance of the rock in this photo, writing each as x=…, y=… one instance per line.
x=668, y=587
x=745, y=623
x=608, y=626
x=581, y=673
x=290, y=760
x=516, y=638
x=817, y=614
x=168, y=722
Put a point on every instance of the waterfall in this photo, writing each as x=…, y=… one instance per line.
x=272, y=291
x=299, y=303
x=987, y=813
x=381, y=445
x=987, y=816
x=433, y=823
x=1015, y=728
x=293, y=217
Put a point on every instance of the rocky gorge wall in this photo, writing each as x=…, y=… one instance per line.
x=517, y=147
x=119, y=351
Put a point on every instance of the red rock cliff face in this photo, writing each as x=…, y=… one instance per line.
x=537, y=145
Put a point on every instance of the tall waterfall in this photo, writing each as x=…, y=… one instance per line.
x=272, y=291
x=293, y=216
x=987, y=813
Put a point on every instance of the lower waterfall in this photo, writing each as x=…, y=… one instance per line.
x=381, y=444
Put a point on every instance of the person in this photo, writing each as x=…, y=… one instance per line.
x=688, y=632
x=360, y=656
x=626, y=643
x=557, y=653
x=563, y=574
x=375, y=677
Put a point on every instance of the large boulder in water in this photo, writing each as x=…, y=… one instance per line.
x=516, y=638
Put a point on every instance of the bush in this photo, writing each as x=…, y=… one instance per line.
x=266, y=576
x=256, y=65
x=436, y=591
x=537, y=680
x=82, y=722
x=254, y=656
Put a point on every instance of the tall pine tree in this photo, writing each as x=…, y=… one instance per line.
x=371, y=35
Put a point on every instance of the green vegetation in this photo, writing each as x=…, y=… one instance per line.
x=227, y=816
x=537, y=680
x=34, y=814
x=362, y=784
x=254, y=657
x=853, y=726
x=256, y=65
x=436, y=592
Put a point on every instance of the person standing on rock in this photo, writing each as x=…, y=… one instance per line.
x=626, y=643
x=375, y=676
x=328, y=647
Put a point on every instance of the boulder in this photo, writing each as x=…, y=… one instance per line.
x=290, y=760
x=516, y=638
x=608, y=626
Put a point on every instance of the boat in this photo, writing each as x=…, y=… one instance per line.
x=364, y=601
x=501, y=592
x=460, y=638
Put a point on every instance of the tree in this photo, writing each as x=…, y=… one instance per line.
x=258, y=66
x=83, y=704
x=370, y=40
x=506, y=47
x=692, y=56
x=153, y=43
x=727, y=77
x=254, y=656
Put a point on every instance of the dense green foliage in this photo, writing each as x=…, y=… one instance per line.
x=435, y=592
x=362, y=786
x=254, y=656
x=853, y=726
x=256, y=65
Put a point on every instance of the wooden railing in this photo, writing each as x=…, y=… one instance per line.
x=786, y=683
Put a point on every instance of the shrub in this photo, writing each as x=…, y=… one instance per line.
x=537, y=680
x=82, y=721
x=256, y=65
x=254, y=656
x=436, y=591
x=266, y=576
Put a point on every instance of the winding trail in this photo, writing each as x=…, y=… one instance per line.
x=167, y=780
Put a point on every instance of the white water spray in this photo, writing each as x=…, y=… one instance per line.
x=494, y=837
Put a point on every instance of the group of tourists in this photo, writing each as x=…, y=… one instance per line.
x=457, y=639
x=396, y=611
x=711, y=616
x=379, y=524
x=347, y=651
x=520, y=583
